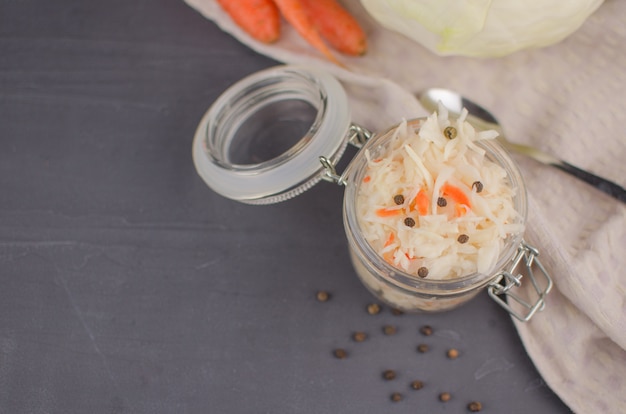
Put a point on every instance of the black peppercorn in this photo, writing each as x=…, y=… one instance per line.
x=340, y=353
x=422, y=272
x=450, y=132
x=452, y=353
x=463, y=238
x=322, y=296
x=478, y=186
x=422, y=348
x=409, y=222
x=444, y=396
x=373, y=308
x=417, y=385
x=398, y=199
x=442, y=202
x=359, y=336
x=389, y=374
x=426, y=330
x=396, y=396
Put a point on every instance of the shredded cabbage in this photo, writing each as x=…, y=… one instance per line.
x=481, y=207
x=482, y=27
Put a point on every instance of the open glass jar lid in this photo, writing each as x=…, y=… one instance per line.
x=261, y=140
x=277, y=132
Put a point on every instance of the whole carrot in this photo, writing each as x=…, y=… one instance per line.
x=259, y=18
x=337, y=26
x=297, y=15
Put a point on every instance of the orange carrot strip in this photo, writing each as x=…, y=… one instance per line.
x=383, y=212
x=259, y=18
x=388, y=256
x=297, y=15
x=422, y=202
x=337, y=26
x=460, y=210
x=367, y=179
x=390, y=239
x=455, y=193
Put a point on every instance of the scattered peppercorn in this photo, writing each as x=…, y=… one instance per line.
x=373, y=309
x=452, y=353
x=422, y=348
x=398, y=199
x=463, y=238
x=426, y=330
x=450, y=132
x=445, y=397
x=478, y=186
x=359, y=336
x=442, y=202
x=389, y=330
x=417, y=385
x=322, y=296
x=474, y=406
x=422, y=272
x=396, y=396
x=340, y=353
x=396, y=312
x=409, y=222
x=389, y=375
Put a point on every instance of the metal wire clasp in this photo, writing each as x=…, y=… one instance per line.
x=357, y=136
x=506, y=280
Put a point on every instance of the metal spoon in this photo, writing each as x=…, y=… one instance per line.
x=481, y=118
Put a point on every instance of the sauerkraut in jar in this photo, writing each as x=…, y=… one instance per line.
x=433, y=209
x=438, y=209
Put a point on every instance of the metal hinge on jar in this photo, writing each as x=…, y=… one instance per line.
x=506, y=281
x=357, y=136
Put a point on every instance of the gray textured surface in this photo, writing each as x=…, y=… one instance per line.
x=127, y=286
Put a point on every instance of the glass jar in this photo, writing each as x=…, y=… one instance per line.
x=303, y=114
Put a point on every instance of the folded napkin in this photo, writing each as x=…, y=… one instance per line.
x=568, y=99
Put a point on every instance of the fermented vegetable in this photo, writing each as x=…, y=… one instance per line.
x=424, y=235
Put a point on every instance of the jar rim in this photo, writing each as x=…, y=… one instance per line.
x=295, y=170
x=354, y=175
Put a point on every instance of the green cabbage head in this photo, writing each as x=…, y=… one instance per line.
x=483, y=28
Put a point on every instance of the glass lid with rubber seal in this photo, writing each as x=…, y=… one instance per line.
x=262, y=139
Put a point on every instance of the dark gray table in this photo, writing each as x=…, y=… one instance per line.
x=127, y=286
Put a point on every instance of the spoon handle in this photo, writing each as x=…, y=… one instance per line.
x=600, y=183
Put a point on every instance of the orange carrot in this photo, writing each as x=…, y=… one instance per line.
x=421, y=202
x=455, y=193
x=367, y=179
x=383, y=212
x=337, y=26
x=297, y=15
x=259, y=18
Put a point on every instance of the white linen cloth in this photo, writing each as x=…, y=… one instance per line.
x=568, y=99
